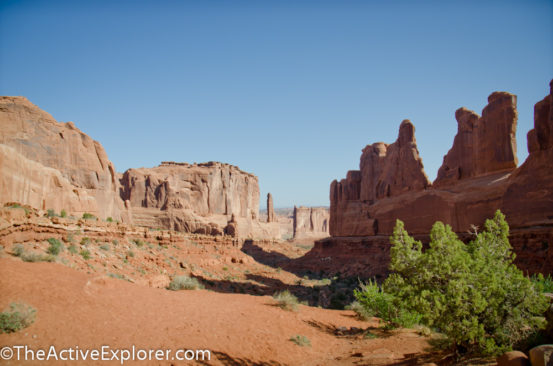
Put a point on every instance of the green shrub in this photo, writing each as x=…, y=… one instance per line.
x=130, y=253
x=376, y=302
x=301, y=340
x=115, y=242
x=17, y=317
x=18, y=250
x=72, y=249
x=109, y=219
x=104, y=246
x=85, y=241
x=51, y=213
x=286, y=300
x=89, y=216
x=55, y=246
x=185, y=283
x=85, y=254
x=37, y=257
x=139, y=243
x=360, y=310
x=472, y=293
x=542, y=284
x=63, y=213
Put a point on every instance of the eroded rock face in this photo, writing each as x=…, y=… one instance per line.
x=54, y=165
x=198, y=198
x=483, y=145
x=51, y=165
x=385, y=171
x=310, y=222
x=478, y=177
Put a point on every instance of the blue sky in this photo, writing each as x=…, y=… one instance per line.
x=288, y=90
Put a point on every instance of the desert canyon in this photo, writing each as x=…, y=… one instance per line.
x=148, y=225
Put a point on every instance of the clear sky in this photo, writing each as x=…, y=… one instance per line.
x=288, y=90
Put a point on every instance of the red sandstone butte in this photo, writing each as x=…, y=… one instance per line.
x=479, y=175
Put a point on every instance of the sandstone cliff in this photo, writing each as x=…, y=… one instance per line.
x=53, y=165
x=479, y=175
x=385, y=171
x=198, y=198
x=310, y=222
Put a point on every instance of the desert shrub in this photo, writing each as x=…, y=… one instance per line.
x=130, y=253
x=115, y=242
x=360, y=310
x=286, y=300
x=18, y=250
x=85, y=254
x=72, y=249
x=376, y=302
x=104, y=246
x=51, y=213
x=301, y=340
x=37, y=257
x=85, y=241
x=472, y=293
x=55, y=246
x=116, y=275
x=17, y=317
x=89, y=216
x=63, y=213
x=139, y=243
x=185, y=283
x=542, y=284
x=109, y=219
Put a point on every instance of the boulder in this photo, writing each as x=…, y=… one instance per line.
x=513, y=358
x=542, y=355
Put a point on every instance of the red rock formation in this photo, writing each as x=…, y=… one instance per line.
x=53, y=165
x=197, y=198
x=310, y=222
x=385, y=171
x=270, y=208
x=483, y=145
x=478, y=176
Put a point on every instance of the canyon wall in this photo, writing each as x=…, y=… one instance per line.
x=53, y=165
x=479, y=175
x=310, y=222
x=199, y=198
x=50, y=165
